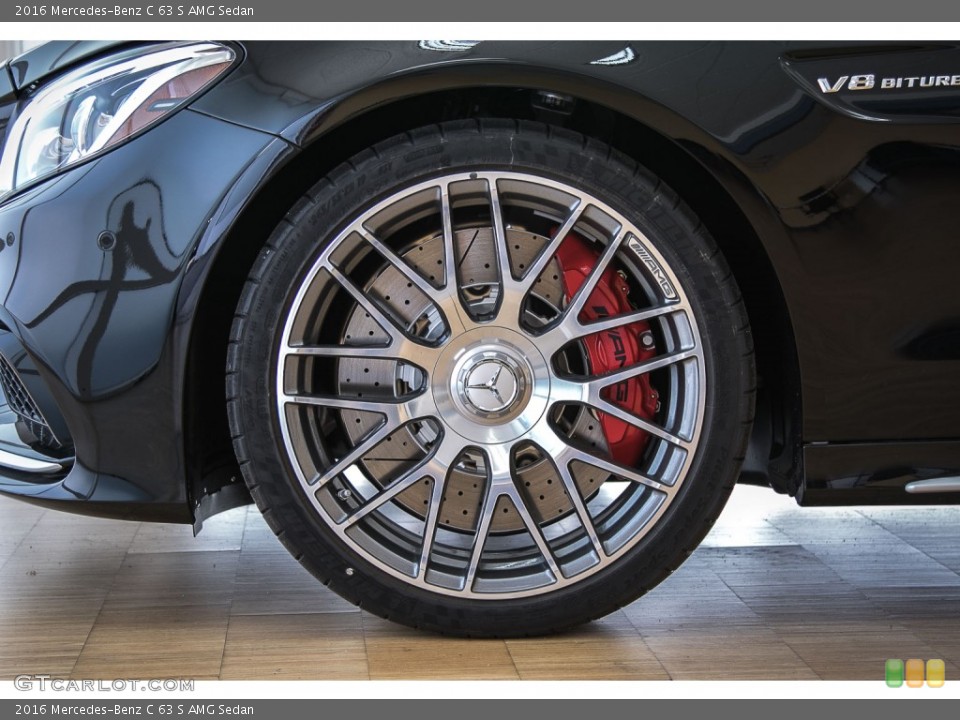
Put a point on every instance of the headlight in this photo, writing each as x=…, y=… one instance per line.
x=101, y=104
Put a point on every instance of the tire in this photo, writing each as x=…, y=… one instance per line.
x=379, y=394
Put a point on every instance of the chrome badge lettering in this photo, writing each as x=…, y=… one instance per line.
x=869, y=82
x=827, y=87
x=654, y=267
x=853, y=82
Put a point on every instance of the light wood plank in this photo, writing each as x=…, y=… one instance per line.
x=324, y=646
x=608, y=649
x=159, y=642
x=397, y=653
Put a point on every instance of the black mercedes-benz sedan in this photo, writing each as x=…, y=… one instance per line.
x=487, y=330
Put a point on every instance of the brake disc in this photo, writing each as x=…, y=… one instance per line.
x=461, y=502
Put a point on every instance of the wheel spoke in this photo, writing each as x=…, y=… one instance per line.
x=357, y=452
x=626, y=416
x=371, y=352
x=536, y=532
x=406, y=481
x=457, y=314
x=401, y=265
x=480, y=539
x=617, y=469
x=499, y=482
x=570, y=485
x=599, y=382
x=570, y=328
x=449, y=249
x=579, y=300
x=507, y=281
x=537, y=267
x=442, y=461
x=430, y=524
x=432, y=465
x=393, y=408
x=629, y=318
x=386, y=323
x=442, y=300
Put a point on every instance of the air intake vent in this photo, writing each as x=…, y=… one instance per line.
x=24, y=407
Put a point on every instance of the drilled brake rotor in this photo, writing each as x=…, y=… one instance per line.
x=545, y=495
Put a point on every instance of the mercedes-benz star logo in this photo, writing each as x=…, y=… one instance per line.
x=491, y=386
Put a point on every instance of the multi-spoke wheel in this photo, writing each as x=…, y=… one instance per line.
x=488, y=380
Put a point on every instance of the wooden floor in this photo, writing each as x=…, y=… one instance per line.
x=775, y=592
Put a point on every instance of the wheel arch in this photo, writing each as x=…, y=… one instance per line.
x=654, y=137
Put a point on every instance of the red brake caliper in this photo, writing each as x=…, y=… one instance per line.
x=612, y=349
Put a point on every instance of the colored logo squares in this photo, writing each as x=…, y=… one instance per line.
x=936, y=673
x=896, y=672
x=914, y=673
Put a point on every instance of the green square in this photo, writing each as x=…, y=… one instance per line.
x=894, y=673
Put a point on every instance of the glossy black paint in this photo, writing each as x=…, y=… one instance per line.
x=843, y=474
x=923, y=80
x=99, y=322
x=849, y=221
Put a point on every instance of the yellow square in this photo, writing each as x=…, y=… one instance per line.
x=914, y=673
x=936, y=673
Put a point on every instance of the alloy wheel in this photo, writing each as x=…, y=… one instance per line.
x=438, y=395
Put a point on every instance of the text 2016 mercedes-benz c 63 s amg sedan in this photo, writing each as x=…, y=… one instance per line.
x=487, y=330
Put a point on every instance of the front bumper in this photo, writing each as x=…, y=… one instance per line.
x=90, y=271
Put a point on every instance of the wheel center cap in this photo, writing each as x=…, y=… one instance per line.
x=490, y=386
